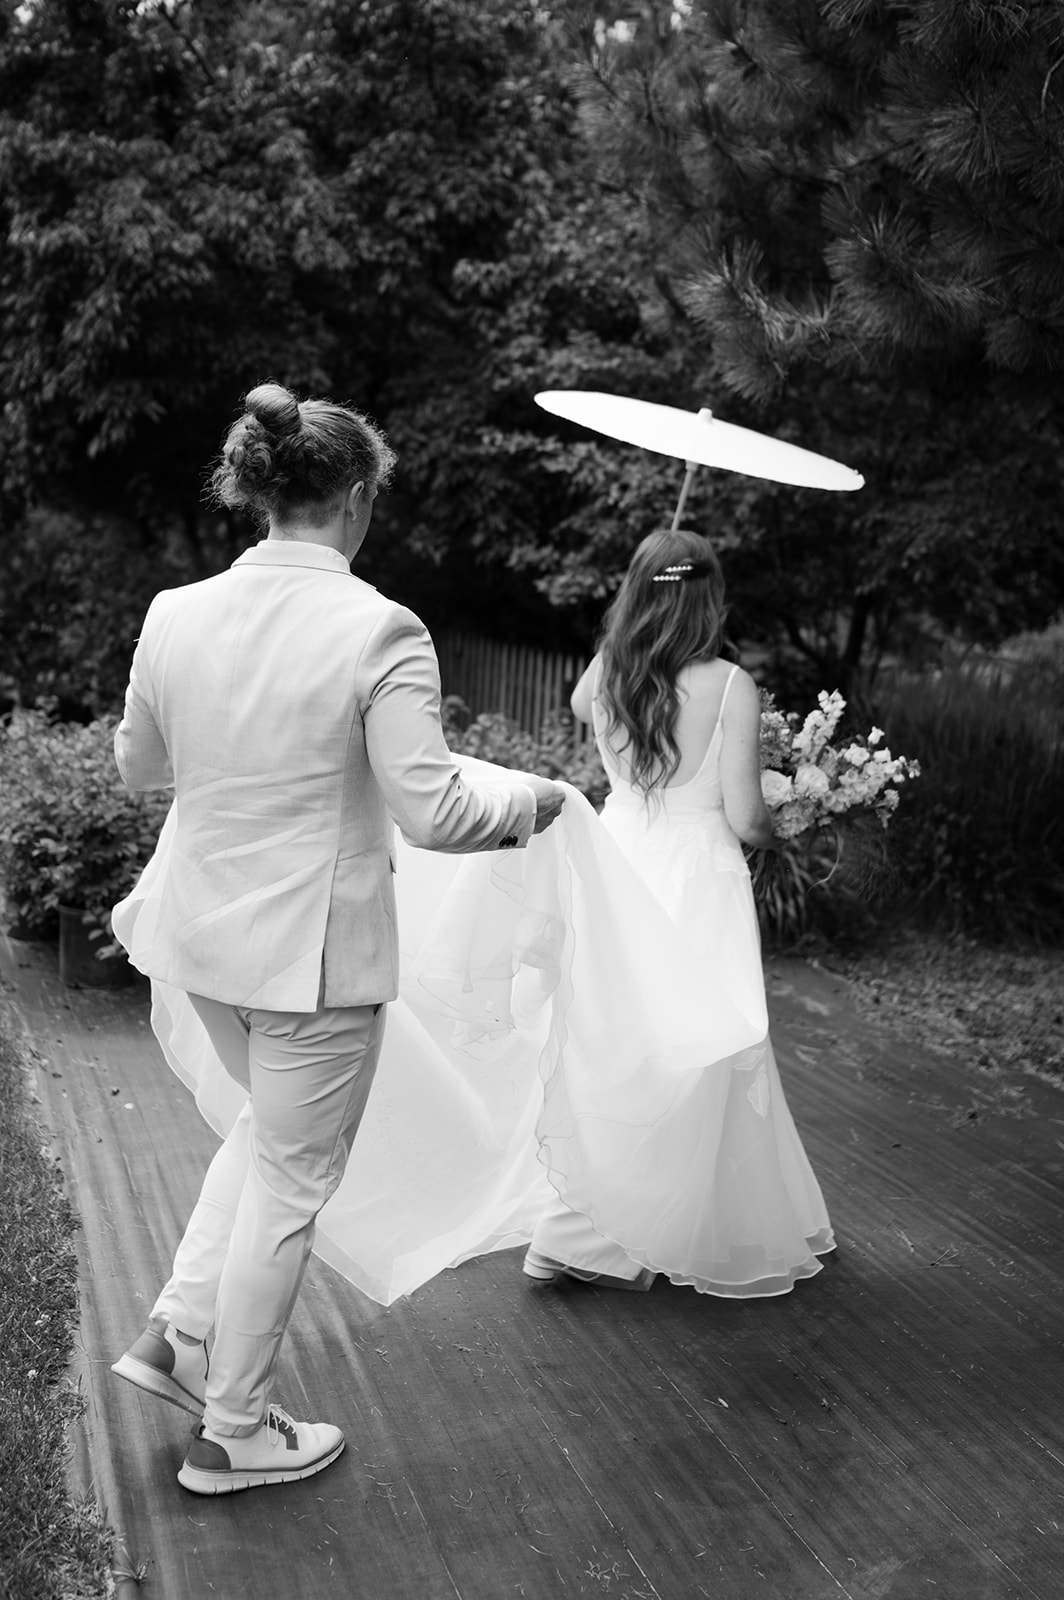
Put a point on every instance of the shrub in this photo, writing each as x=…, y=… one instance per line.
x=555, y=753
x=980, y=838
x=70, y=831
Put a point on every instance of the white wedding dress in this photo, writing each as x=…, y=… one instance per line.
x=587, y=1013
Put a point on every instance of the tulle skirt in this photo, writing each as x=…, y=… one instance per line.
x=557, y=1028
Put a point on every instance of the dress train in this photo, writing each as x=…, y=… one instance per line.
x=554, y=1029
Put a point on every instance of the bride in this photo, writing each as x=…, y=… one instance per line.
x=678, y=729
x=579, y=1059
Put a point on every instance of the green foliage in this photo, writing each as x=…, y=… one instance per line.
x=381, y=203
x=845, y=214
x=980, y=839
x=1037, y=660
x=195, y=197
x=74, y=595
x=70, y=832
x=51, y=1547
x=409, y=205
x=830, y=884
x=783, y=881
x=556, y=752
x=842, y=183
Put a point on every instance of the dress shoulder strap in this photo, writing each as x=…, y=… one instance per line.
x=724, y=696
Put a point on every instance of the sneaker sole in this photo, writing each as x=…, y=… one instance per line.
x=160, y=1384
x=199, y=1481
x=540, y=1270
x=544, y=1272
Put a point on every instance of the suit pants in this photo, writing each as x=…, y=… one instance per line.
x=241, y=1261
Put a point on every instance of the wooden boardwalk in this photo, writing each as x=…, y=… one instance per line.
x=893, y=1429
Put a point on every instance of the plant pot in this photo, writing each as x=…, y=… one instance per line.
x=79, y=965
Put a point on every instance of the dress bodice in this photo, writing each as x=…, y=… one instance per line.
x=697, y=796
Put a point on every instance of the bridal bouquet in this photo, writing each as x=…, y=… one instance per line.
x=819, y=787
x=810, y=780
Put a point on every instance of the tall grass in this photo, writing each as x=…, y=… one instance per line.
x=51, y=1546
x=979, y=838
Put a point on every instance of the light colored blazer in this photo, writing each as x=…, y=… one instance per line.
x=296, y=712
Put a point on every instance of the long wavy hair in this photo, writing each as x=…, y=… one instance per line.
x=659, y=620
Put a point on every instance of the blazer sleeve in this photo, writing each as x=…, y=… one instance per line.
x=140, y=749
x=433, y=803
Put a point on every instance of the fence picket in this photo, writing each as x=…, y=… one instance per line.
x=523, y=682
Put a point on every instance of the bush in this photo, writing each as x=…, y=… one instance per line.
x=70, y=831
x=555, y=753
x=980, y=837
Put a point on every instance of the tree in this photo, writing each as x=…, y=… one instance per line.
x=384, y=203
x=858, y=183
x=855, y=206
x=195, y=196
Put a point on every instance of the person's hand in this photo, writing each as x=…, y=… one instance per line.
x=550, y=797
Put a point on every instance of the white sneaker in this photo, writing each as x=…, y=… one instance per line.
x=279, y=1452
x=544, y=1269
x=164, y=1365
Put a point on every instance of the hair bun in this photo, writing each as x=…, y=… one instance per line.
x=276, y=409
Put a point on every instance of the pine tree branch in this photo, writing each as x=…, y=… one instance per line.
x=190, y=45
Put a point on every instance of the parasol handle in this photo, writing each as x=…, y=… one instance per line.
x=688, y=477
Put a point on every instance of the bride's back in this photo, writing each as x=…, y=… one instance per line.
x=701, y=687
x=677, y=726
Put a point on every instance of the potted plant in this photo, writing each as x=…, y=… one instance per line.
x=72, y=839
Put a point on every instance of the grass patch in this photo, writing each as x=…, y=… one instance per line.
x=52, y=1547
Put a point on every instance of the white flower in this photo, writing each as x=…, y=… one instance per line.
x=875, y=736
x=794, y=818
x=809, y=780
x=856, y=755
x=776, y=788
x=837, y=802
x=818, y=727
x=882, y=755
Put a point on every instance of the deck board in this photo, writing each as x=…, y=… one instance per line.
x=891, y=1430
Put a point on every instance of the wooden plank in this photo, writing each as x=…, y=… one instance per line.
x=893, y=1428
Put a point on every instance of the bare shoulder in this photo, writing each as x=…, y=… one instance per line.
x=744, y=697
x=719, y=688
x=704, y=682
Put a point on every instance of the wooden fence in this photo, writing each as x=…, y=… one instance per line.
x=522, y=682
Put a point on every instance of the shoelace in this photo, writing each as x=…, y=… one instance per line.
x=278, y=1422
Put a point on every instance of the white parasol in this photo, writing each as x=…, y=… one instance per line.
x=697, y=438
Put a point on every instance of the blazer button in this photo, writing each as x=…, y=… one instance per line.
x=509, y=842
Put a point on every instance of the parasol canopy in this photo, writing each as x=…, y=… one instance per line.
x=698, y=438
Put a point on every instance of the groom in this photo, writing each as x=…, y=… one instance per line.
x=295, y=711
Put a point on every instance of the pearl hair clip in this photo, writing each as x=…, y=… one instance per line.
x=673, y=574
